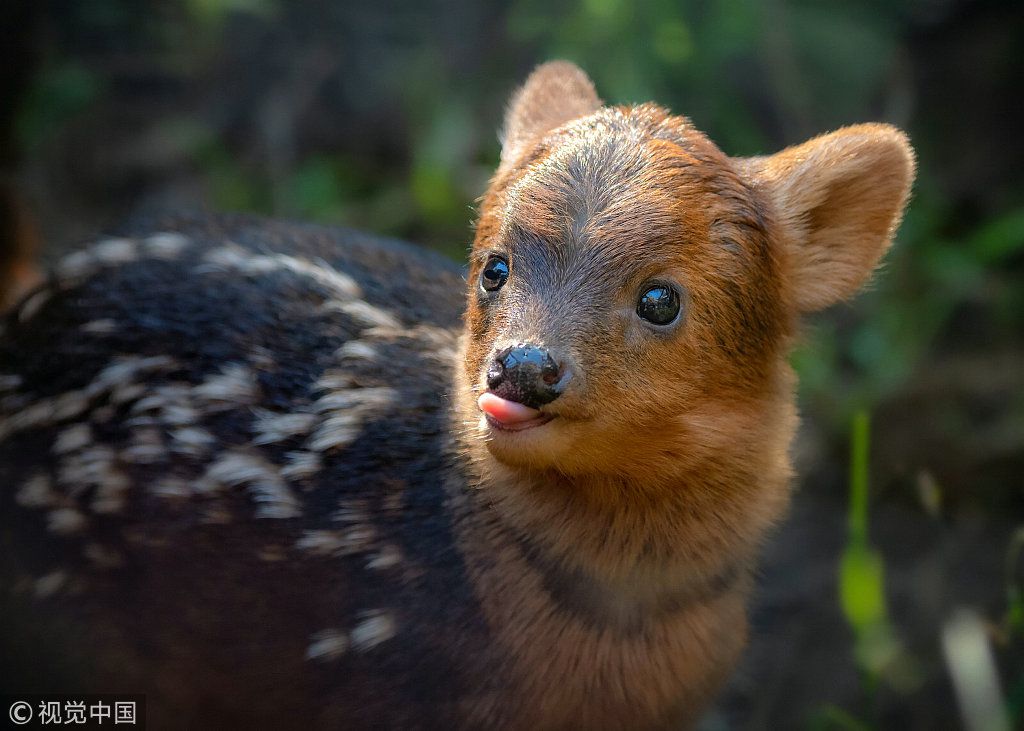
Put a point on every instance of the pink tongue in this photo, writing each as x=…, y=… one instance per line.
x=505, y=411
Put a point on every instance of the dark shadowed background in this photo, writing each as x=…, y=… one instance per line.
x=883, y=586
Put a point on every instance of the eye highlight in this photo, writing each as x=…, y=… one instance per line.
x=494, y=274
x=658, y=305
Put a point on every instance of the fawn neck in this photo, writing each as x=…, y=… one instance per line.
x=631, y=588
x=630, y=547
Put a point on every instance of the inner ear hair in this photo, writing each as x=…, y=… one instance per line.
x=838, y=199
x=555, y=93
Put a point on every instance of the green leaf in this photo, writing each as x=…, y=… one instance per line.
x=999, y=238
x=57, y=94
x=862, y=587
x=858, y=514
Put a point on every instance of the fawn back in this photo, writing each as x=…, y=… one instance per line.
x=221, y=450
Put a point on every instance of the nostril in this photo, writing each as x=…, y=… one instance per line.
x=495, y=374
x=550, y=372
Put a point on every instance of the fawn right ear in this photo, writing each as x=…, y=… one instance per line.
x=555, y=93
x=839, y=199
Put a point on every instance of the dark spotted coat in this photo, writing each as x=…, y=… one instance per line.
x=240, y=508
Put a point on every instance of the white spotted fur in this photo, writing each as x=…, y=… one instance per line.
x=328, y=644
x=377, y=626
x=261, y=478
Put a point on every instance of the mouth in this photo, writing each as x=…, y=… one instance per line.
x=506, y=415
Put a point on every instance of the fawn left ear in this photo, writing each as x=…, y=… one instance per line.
x=839, y=199
x=555, y=93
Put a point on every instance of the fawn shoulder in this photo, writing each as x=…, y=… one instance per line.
x=294, y=474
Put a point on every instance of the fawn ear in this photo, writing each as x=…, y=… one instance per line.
x=839, y=199
x=555, y=93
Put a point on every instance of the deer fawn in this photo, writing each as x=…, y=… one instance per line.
x=263, y=472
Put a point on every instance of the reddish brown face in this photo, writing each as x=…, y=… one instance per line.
x=632, y=290
x=620, y=278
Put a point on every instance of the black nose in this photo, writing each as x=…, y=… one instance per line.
x=525, y=373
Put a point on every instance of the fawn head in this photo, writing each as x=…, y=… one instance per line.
x=633, y=290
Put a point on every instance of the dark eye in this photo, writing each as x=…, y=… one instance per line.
x=495, y=274
x=658, y=305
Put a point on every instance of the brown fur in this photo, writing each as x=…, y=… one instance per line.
x=668, y=460
x=19, y=246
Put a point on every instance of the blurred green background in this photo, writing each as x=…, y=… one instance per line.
x=384, y=118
